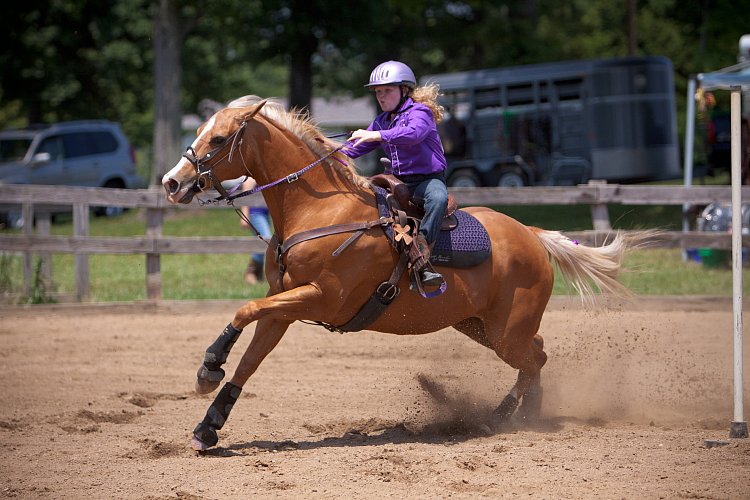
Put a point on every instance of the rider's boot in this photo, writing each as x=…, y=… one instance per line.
x=428, y=276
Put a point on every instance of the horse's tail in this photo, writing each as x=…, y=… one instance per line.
x=590, y=269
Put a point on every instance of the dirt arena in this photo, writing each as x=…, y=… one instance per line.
x=97, y=402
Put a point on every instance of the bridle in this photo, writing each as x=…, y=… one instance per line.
x=207, y=177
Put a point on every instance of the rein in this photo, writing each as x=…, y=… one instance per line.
x=207, y=171
x=288, y=179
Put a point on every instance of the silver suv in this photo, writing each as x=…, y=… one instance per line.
x=92, y=153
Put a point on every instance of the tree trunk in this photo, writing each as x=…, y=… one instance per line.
x=632, y=23
x=300, y=74
x=167, y=87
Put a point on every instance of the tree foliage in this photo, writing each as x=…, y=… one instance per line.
x=74, y=59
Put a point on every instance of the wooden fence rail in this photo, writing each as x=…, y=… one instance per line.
x=39, y=202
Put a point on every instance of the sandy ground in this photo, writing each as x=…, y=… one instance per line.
x=97, y=402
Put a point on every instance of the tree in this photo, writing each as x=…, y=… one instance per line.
x=76, y=59
x=168, y=38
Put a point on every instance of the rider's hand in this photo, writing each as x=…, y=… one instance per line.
x=360, y=136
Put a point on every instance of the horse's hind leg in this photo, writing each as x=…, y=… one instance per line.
x=531, y=403
x=528, y=387
x=511, y=331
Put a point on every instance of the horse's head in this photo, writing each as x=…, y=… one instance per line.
x=213, y=157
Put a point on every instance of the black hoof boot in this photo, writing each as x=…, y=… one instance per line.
x=204, y=437
x=506, y=409
x=204, y=434
x=531, y=405
x=210, y=373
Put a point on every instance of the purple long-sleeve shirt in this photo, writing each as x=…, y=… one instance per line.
x=410, y=139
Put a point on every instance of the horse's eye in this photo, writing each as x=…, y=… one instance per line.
x=217, y=139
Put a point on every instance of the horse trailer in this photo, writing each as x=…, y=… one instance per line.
x=560, y=123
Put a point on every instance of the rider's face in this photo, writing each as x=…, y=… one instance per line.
x=388, y=96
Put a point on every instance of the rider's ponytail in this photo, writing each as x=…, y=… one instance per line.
x=427, y=95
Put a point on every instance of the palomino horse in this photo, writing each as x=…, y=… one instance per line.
x=309, y=184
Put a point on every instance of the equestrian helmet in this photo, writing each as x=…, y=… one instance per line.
x=392, y=73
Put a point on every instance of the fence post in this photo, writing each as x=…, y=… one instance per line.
x=154, y=222
x=43, y=226
x=599, y=211
x=27, y=215
x=81, y=230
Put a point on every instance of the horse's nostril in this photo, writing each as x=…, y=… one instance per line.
x=173, y=186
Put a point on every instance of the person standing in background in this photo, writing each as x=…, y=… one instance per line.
x=258, y=217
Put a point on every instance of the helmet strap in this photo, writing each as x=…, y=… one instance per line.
x=404, y=91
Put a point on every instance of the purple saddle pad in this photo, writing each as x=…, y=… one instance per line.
x=466, y=245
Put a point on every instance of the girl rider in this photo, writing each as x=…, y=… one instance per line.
x=407, y=132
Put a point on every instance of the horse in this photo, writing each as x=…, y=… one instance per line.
x=309, y=184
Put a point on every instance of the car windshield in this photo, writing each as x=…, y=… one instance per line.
x=13, y=149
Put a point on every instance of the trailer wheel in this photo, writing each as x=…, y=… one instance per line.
x=464, y=177
x=511, y=177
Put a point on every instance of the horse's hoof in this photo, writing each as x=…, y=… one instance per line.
x=204, y=437
x=205, y=387
x=208, y=380
x=198, y=445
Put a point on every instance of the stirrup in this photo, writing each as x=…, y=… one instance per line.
x=430, y=278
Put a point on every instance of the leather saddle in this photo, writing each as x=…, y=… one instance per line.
x=399, y=198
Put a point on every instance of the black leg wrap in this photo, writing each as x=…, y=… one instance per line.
x=531, y=404
x=216, y=354
x=507, y=407
x=217, y=414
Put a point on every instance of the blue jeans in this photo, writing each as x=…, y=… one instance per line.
x=259, y=220
x=434, y=192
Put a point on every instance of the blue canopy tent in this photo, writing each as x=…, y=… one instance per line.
x=736, y=79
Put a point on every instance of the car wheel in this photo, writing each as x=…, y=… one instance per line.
x=110, y=211
x=464, y=178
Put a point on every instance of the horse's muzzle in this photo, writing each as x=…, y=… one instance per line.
x=174, y=188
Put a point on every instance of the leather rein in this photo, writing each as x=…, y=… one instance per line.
x=206, y=172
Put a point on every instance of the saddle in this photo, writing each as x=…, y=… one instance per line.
x=462, y=242
x=399, y=199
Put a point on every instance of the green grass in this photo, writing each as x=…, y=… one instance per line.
x=123, y=277
x=578, y=217
x=220, y=276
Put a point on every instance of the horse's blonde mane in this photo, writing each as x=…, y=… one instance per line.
x=303, y=127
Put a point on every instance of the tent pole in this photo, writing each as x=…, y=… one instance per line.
x=688, y=156
x=738, y=427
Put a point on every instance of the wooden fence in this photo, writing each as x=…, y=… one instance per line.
x=38, y=202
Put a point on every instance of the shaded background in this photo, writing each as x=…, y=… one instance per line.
x=146, y=63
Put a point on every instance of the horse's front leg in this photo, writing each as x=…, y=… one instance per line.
x=210, y=374
x=268, y=333
x=287, y=306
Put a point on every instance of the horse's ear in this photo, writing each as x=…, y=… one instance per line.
x=253, y=110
